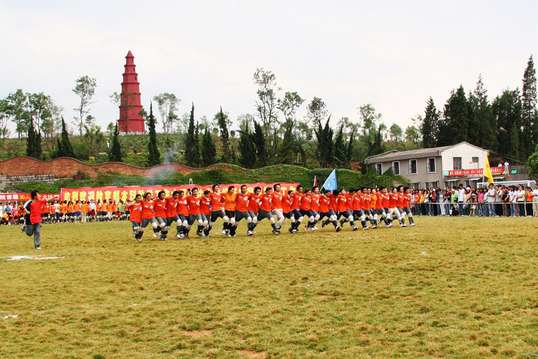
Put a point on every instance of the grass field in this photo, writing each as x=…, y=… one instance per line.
x=449, y=287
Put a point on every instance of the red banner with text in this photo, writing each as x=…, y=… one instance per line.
x=475, y=172
x=26, y=196
x=123, y=193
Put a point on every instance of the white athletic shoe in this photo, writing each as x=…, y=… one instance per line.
x=315, y=228
x=365, y=228
x=37, y=247
x=155, y=235
x=412, y=224
x=389, y=225
x=224, y=232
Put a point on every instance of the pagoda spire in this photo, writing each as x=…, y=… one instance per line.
x=131, y=121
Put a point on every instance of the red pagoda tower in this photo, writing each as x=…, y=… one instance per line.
x=131, y=121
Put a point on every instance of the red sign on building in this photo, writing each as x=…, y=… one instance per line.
x=475, y=172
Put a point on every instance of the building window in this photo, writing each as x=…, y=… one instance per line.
x=396, y=167
x=457, y=163
x=379, y=168
x=430, y=165
x=412, y=166
x=475, y=162
x=415, y=185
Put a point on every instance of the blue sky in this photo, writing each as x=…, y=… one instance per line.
x=392, y=54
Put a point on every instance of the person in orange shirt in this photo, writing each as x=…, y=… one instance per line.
x=98, y=210
x=76, y=211
x=45, y=214
x=377, y=207
x=183, y=215
x=286, y=206
x=314, y=207
x=84, y=209
x=229, y=210
x=70, y=211
x=63, y=211
x=135, y=211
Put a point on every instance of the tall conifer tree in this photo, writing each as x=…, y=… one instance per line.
x=209, y=152
x=221, y=118
x=115, y=150
x=529, y=121
x=154, y=157
x=430, y=125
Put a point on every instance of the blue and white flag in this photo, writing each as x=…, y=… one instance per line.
x=330, y=182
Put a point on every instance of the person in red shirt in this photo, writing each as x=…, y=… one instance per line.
x=159, y=207
x=241, y=209
x=229, y=210
x=296, y=209
x=217, y=208
x=406, y=205
x=205, y=212
x=277, y=207
x=254, y=200
x=148, y=214
x=393, y=210
x=170, y=211
x=135, y=211
x=46, y=213
x=193, y=201
x=33, y=220
x=306, y=209
x=326, y=211
x=343, y=213
x=378, y=207
x=286, y=206
x=314, y=207
x=264, y=212
x=183, y=215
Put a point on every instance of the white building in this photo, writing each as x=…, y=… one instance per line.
x=446, y=166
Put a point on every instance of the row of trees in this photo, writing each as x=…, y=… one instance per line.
x=508, y=125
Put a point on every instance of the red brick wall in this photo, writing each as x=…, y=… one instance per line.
x=68, y=167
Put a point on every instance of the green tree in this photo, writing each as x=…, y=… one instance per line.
x=340, y=151
x=396, y=133
x=154, y=157
x=221, y=119
x=63, y=145
x=529, y=123
x=33, y=142
x=286, y=153
x=532, y=162
x=115, y=149
x=482, y=125
x=17, y=109
x=412, y=135
x=247, y=149
x=258, y=138
x=167, y=104
x=317, y=112
x=85, y=89
x=507, y=112
x=209, y=152
x=192, y=149
x=325, y=146
x=267, y=103
x=454, y=127
x=430, y=125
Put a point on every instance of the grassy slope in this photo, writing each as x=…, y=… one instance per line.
x=450, y=287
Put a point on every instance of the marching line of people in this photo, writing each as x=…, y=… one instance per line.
x=328, y=207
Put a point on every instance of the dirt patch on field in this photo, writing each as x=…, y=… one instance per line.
x=197, y=333
x=253, y=354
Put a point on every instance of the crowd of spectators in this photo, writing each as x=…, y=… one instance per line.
x=493, y=201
